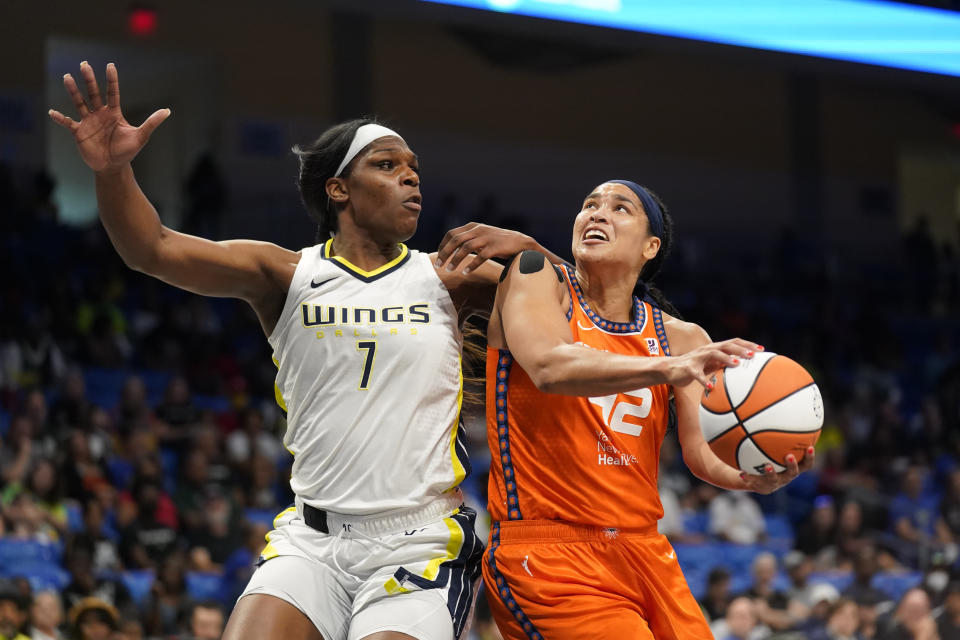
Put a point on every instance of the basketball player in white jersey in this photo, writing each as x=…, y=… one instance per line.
x=366, y=338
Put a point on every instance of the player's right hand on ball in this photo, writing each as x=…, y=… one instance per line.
x=105, y=139
x=701, y=363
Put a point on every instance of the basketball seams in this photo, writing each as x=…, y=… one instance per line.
x=726, y=431
x=733, y=409
x=761, y=450
x=777, y=401
x=752, y=385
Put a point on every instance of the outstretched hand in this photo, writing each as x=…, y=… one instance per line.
x=770, y=481
x=104, y=138
x=481, y=242
x=701, y=363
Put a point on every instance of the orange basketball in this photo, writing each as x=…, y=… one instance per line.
x=760, y=411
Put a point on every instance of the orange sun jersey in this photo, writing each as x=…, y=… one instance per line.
x=576, y=459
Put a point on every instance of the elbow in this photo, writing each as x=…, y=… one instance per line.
x=547, y=377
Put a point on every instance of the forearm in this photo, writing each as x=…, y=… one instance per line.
x=131, y=221
x=705, y=465
x=574, y=370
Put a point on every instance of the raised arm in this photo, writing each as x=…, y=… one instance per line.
x=685, y=338
x=530, y=320
x=257, y=272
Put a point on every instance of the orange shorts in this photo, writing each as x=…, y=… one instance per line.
x=558, y=581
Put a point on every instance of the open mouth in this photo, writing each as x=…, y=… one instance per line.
x=413, y=203
x=593, y=235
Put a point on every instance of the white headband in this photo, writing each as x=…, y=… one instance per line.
x=364, y=136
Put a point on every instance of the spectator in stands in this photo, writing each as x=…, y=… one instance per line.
x=46, y=616
x=72, y=409
x=717, y=598
x=850, y=535
x=14, y=609
x=219, y=534
x=18, y=450
x=262, y=489
x=823, y=595
x=912, y=619
x=864, y=569
x=252, y=439
x=25, y=518
x=913, y=517
x=869, y=615
x=133, y=411
x=819, y=530
x=204, y=621
x=47, y=489
x=93, y=619
x=84, y=583
x=92, y=538
x=192, y=490
x=168, y=597
x=740, y=622
x=206, y=438
x=842, y=622
x=800, y=592
x=177, y=412
x=736, y=517
x=948, y=623
x=83, y=476
x=150, y=536
x=770, y=604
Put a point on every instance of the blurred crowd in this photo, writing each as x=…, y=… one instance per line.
x=141, y=454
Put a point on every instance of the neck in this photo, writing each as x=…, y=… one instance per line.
x=362, y=250
x=609, y=292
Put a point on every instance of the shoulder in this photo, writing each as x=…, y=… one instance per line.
x=531, y=265
x=684, y=336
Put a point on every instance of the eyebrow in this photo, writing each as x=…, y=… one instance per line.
x=596, y=195
x=416, y=158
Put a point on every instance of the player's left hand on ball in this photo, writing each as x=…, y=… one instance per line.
x=770, y=481
x=479, y=242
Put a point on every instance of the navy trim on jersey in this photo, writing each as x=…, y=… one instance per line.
x=460, y=447
x=463, y=582
x=639, y=311
x=661, y=332
x=504, y=361
x=503, y=589
x=360, y=274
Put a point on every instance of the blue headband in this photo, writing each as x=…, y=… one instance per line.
x=650, y=206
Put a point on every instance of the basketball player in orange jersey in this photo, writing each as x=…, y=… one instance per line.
x=580, y=371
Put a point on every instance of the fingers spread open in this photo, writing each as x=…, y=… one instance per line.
x=113, y=87
x=93, y=91
x=63, y=121
x=151, y=123
x=71, y=86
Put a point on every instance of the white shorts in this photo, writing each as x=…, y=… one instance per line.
x=414, y=572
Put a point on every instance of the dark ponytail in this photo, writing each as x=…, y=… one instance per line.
x=318, y=162
x=652, y=268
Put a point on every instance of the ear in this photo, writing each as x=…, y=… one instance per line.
x=337, y=190
x=651, y=248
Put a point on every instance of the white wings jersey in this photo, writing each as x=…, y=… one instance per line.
x=370, y=378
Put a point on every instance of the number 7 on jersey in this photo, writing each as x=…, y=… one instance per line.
x=370, y=346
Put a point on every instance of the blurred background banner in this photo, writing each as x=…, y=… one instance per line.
x=816, y=197
x=881, y=33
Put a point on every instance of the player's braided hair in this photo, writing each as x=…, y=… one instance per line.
x=652, y=268
x=318, y=162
